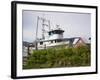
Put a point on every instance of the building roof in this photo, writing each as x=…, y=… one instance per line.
x=26, y=44
x=76, y=40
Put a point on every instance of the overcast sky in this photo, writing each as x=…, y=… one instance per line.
x=74, y=24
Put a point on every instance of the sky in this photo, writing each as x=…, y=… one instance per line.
x=73, y=24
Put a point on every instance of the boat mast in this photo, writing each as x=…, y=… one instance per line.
x=43, y=29
x=36, y=46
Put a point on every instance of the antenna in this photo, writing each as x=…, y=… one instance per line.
x=45, y=23
x=57, y=26
x=43, y=20
x=49, y=25
x=43, y=28
x=37, y=33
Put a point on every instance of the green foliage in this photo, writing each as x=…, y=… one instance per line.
x=59, y=57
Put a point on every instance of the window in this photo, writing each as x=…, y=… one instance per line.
x=51, y=41
x=41, y=43
x=59, y=40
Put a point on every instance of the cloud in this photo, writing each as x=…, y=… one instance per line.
x=28, y=35
x=74, y=24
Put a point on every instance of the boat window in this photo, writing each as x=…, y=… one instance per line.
x=51, y=41
x=41, y=43
x=59, y=40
